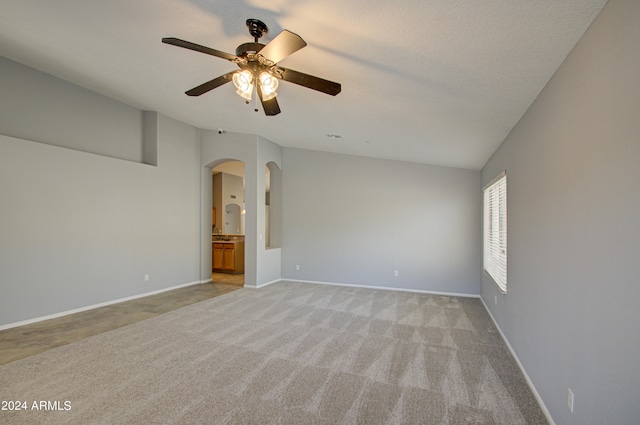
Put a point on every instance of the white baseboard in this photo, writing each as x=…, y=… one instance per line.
x=262, y=285
x=524, y=372
x=385, y=288
x=91, y=307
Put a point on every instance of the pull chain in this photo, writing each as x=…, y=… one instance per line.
x=256, y=108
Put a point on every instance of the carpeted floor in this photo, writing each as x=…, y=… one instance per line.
x=27, y=340
x=289, y=353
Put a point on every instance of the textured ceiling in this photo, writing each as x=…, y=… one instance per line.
x=430, y=81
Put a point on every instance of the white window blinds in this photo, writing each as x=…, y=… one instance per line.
x=495, y=230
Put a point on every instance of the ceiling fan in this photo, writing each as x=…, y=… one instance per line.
x=258, y=67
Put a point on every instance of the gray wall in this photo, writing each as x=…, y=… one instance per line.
x=571, y=312
x=36, y=106
x=269, y=261
x=355, y=220
x=78, y=229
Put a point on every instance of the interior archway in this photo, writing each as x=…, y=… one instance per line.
x=228, y=247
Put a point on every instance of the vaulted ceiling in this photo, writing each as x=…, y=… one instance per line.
x=431, y=81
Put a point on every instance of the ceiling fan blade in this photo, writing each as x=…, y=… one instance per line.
x=210, y=85
x=198, y=48
x=282, y=46
x=271, y=106
x=309, y=81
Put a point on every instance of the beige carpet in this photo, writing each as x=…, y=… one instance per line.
x=289, y=353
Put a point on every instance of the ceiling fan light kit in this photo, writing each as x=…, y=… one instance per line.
x=258, y=67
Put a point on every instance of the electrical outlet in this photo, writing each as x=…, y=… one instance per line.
x=146, y=277
x=297, y=266
x=570, y=401
x=395, y=273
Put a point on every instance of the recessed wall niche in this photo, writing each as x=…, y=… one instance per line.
x=273, y=205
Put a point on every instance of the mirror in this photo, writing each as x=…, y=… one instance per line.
x=228, y=198
x=232, y=221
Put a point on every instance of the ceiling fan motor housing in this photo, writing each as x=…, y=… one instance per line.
x=245, y=49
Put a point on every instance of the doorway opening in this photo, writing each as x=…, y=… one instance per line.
x=228, y=223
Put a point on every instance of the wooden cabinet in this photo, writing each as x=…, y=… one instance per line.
x=218, y=254
x=228, y=257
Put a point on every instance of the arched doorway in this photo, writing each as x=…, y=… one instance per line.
x=227, y=222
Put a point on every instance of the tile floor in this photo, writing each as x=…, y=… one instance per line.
x=23, y=341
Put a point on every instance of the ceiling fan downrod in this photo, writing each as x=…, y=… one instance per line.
x=257, y=28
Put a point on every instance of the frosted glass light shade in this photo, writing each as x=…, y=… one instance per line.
x=243, y=81
x=269, y=85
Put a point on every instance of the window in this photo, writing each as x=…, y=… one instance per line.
x=495, y=231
